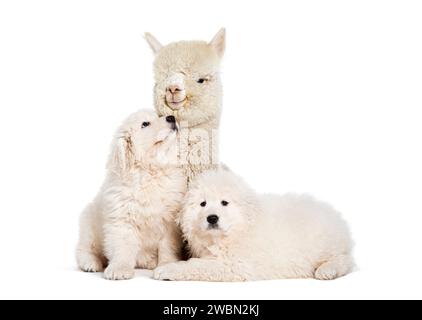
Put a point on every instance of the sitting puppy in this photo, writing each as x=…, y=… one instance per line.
x=131, y=222
x=236, y=235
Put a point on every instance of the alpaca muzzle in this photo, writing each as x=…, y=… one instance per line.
x=176, y=100
x=175, y=91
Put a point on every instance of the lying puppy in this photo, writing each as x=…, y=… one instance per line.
x=236, y=235
x=131, y=222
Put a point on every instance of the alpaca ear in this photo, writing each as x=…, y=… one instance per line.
x=153, y=42
x=219, y=42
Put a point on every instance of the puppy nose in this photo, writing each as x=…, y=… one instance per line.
x=212, y=219
x=171, y=119
x=174, y=88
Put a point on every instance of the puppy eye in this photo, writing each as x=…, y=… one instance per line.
x=203, y=204
x=145, y=124
x=202, y=80
x=224, y=203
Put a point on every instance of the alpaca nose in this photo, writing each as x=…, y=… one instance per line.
x=212, y=219
x=174, y=89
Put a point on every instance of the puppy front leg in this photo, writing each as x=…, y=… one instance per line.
x=200, y=270
x=121, y=249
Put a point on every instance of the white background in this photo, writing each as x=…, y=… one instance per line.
x=320, y=96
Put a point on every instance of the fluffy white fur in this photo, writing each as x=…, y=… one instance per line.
x=258, y=237
x=188, y=86
x=131, y=222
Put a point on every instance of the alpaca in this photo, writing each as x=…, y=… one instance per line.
x=131, y=222
x=236, y=234
x=188, y=87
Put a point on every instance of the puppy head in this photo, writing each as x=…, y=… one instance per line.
x=218, y=206
x=142, y=139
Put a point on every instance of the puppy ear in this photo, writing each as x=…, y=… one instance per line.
x=122, y=158
x=218, y=43
x=153, y=42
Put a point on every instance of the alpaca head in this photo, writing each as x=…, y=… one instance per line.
x=187, y=80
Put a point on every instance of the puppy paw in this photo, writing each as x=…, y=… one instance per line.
x=326, y=271
x=119, y=273
x=90, y=263
x=334, y=268
x=167, y=272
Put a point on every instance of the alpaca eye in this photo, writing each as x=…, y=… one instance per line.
x=145, y=124
x=201, y=80
x=224, y=203
x=203, y=204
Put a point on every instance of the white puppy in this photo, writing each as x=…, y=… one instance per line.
x=236, y=235
x=131, y=222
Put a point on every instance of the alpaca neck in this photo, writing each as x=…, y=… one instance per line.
x=199, y=148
